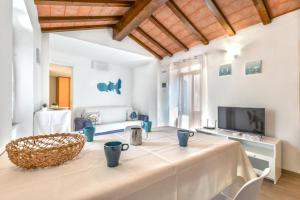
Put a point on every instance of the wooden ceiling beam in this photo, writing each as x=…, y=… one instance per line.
x=185, y=20
x=104, y=3
x=74, y=28
x=262, y=11
x=145, y=46
x=163, y=29
x=141, y=10
x=153, y=41
x=216, y=11
x=78, y=19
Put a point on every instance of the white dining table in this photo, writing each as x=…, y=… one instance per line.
x=159, y=169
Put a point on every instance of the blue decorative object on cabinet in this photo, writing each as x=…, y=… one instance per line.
x=103, y=87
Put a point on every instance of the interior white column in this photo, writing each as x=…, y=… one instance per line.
x=45, y=55
x=6, y=71
x=23, y=69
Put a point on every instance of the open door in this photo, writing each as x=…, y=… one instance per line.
x=60, y=96
x=63, y=95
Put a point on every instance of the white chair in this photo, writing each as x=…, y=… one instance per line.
x=249, y=191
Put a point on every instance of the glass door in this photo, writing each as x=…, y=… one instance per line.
x=189, y=100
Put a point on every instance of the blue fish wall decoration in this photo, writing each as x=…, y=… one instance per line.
x=110, y=87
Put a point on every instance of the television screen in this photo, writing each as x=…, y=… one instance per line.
x=250, y=120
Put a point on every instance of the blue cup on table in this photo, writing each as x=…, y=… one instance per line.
x=113, y=152
x=89, y=132
x=147, y=126
x=183, y=137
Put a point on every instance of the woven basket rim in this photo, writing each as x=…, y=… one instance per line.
x=12, y=146
x=59, y=148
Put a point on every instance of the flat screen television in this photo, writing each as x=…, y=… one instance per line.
x=249, y=120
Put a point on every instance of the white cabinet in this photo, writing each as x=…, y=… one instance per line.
x=262, y=152
x=52, y=121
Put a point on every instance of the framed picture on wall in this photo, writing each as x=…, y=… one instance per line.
x=254, y=67
x=225, y=70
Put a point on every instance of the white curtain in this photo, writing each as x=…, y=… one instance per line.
x=185, y=93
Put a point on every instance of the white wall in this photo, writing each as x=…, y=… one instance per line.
x=121, y=64
x=104, y=37
x=163, y=96
x=23, y=68
x=27, y=37
x=93, y=50
x=37, y=44
x=276, y=89
x=6, y=53
x=144, y=90
x=30, y=66
x=85, y=80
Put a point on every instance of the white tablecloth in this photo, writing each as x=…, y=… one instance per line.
x=157, y=170
x=52, y=121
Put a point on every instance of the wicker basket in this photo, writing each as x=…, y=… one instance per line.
x=44, y=150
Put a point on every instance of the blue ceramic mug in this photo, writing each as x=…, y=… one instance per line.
x=147, y=126
x=89, y=132
x=113, y=151
x=183, y=136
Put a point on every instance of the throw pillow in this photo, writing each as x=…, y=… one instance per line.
x=132, y=115
x=94, y=117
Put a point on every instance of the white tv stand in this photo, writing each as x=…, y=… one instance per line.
x=263, y=151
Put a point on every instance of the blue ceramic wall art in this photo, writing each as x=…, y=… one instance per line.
x=110, y=86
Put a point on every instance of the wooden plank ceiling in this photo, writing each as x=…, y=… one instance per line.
x=163, y=27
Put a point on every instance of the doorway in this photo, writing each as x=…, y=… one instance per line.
x=189, y=100
x=61, y=88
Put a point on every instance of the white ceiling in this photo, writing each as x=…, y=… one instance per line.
x=98, y=45
x=104, y=37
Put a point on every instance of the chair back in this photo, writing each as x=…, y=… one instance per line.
x=251, y=189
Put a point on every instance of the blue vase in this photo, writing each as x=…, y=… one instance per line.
x=147, y=126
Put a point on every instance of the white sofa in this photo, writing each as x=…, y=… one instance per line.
x=113, y=119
